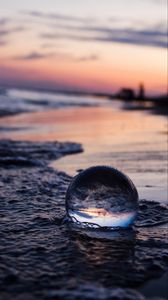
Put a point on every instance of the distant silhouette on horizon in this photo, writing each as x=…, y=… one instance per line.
x=127, y=93
x=141, y=93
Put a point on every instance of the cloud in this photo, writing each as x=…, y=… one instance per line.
x=59, y=55
x=33, y=56
x=145, y=37
x=8, y=30
x=4, y=32
x=89, y=30
x=91, y=57
x=2, y=43
x=56, y=17
x=3, y=21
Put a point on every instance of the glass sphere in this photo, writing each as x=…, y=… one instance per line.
x=102, y=197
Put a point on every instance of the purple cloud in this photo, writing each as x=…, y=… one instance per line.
x=33, y=56
x=56, y=16
x=146, y=37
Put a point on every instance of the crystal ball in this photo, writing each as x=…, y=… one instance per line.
x=102, y=197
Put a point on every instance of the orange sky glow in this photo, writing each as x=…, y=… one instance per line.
x=61, y=51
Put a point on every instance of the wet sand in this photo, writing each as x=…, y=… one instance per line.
x=41, y=256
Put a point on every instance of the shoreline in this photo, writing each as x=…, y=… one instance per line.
x=32, y=208
x=155, y=105
x=110, y=95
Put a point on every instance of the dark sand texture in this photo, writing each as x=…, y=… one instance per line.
x=42, y=258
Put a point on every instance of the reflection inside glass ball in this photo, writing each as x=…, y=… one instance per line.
x=102, y=197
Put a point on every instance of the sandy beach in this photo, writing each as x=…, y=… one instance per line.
x=41, y=257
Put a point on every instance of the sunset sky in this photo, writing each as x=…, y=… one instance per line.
x=91, y=45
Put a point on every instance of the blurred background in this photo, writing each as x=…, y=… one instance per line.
x=93, y=72
x=75, y=45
